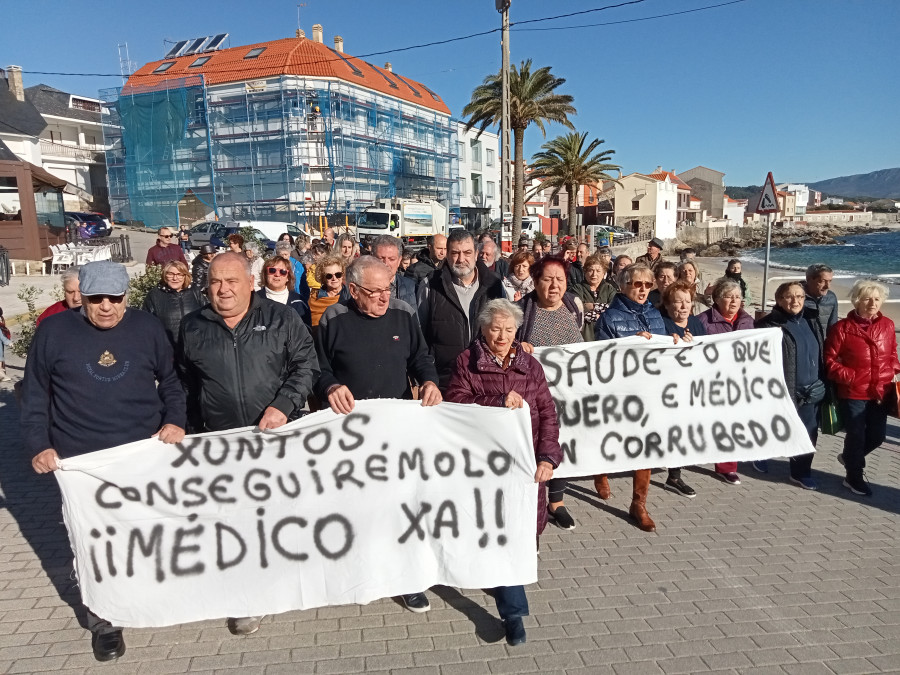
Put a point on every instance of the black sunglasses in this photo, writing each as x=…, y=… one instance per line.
x=98, y=299
x=280, y=271
x=334, y=275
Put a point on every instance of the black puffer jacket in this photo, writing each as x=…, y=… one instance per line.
x=778, y=318
x=170, y=306
x=200, y=272
x=448, y=330
x=423, y=267
x=232, y=376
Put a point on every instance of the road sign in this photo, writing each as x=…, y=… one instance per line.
x=768, y=198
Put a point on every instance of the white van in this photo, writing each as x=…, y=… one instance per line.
x=271, y=228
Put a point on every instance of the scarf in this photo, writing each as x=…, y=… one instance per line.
x=738, y=278
x=278, y=296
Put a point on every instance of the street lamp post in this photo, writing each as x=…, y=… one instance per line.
x=505, y=179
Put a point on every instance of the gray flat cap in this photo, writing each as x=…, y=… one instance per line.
x=103, y=277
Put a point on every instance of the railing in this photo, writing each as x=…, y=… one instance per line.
x=5, y=269
x=800, y=277
x=120, y=247
x=52, y=149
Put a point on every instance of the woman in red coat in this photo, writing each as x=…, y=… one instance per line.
x=861, y=359
x=495, y=371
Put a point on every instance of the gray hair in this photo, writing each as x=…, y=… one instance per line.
x=816, y=269
x=490, y=242
x=866, y=287
x=387, y=240
x=71, y=273
x=723, y=286
x=357, y=269
x=628, y=273
x=223, y=258
x=499, y=307
x=283, y=246
x=459, y=234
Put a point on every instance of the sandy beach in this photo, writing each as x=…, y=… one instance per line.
x=713, y=268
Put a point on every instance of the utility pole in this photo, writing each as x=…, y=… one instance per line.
x=506, y=163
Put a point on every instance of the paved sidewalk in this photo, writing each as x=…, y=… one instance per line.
x=758, y=578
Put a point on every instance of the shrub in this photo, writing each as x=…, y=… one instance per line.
x=29, y=295
x=139, y=286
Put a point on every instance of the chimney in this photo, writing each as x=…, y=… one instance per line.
x=317, y=32
x=658, y=169
x=300, y=33
x=388, y=67
x=338, y=44
x=14, y=80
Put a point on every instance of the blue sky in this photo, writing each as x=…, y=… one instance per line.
x=809, y=89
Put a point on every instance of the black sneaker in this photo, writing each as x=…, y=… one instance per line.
x=562, y=518
x=840, y=459
x=682, y=488
x=515, y=630
x=858, y=486
x=416, y=602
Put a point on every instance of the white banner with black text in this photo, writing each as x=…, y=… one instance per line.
x=636, y=403
x=328, y=510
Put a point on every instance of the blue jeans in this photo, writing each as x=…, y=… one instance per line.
x=865, y=423
x=801, y=465
x=511, y=601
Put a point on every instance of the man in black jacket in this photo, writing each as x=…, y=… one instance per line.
x=244, y=360
x=389, y=250
x=450, y=300
x=430, y=259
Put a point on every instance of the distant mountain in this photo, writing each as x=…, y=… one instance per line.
x=882, y=184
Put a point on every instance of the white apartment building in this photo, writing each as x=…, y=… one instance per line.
x=801, y=196
x=479, y=177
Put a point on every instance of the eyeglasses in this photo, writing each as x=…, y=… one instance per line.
x=280, y=271
x=166, y=236
x=334, y=275
x=175, y=275
x=98, y=299
x=375, y=293
x=647, y=285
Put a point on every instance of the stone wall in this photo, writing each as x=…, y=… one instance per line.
x=646, y=225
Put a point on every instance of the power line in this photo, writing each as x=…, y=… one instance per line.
x=438, y=42
x=644, y=18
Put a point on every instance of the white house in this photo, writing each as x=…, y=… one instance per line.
x=645, y=205
x=733, y=210
x=479, y=176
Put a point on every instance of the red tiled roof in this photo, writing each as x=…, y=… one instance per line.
x=673, y=178
x=289, y=56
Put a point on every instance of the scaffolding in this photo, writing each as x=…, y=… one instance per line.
x=286, y=148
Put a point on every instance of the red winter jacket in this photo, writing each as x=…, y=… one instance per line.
x=861, y=356
x=479, y=379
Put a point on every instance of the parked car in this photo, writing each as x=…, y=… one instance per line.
x=88, y=225
x=216, y=232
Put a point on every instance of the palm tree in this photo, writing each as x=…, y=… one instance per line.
x=531, y=99
x=564, y=163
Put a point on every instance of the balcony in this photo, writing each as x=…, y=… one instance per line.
x=84, y=153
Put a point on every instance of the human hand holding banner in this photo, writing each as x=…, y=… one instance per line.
x=643, y=404
x=331, y=509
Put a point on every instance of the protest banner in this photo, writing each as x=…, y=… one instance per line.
x=331, y=509
x=644, y=404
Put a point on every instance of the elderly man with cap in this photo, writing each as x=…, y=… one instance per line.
x=71, y=295
x=200, y=266
x=653, y=256
x=98, y=378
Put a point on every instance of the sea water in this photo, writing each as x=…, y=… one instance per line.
x=862, y=254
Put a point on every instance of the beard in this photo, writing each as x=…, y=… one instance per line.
x=461, y=270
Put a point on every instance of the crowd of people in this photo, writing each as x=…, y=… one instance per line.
x=241, y=339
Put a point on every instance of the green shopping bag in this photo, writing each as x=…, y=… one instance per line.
x=831, y=419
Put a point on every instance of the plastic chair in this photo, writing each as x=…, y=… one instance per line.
x=61, y=259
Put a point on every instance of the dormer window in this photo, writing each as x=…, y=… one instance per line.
x=199, y=62
x=255, y=52
x=163, y=67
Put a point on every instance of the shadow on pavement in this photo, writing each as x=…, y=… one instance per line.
x=487, y=626
x=34, y=502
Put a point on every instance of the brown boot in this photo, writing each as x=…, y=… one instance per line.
x=638, y=509
x=601, y=485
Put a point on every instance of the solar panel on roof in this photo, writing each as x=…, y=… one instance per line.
x=411, y=88
x=387, y=79
x=356, y=71
x=214, y=44
x=195, y=46
x=433, y=95
x=177, y=48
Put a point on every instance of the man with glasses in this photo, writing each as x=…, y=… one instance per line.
x=370, y=348
x=166, y=249
x=97, y=378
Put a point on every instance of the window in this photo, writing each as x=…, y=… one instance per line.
x=462, y=187
x=667, y=205
x=555, y=201
x=84, y=104
x=254, y=53
x=635, y=205
x=199, y=62
x=461, y=151
x=490, y=188
x=489, y=157
x=163, y=67
x=90, y=139
x=56, y=136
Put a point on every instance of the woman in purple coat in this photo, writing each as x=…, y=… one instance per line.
x=725, y=316
x=496, y=371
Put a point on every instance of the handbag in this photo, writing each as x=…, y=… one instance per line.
x=892, y=399
x=831, y=421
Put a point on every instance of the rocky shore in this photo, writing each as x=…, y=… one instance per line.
x=793, y=238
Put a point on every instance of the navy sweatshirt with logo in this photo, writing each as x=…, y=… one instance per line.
x=86, y=389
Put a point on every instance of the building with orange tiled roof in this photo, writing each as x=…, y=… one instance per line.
x=291, y=130
x=685, y=213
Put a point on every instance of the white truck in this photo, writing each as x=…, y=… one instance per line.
x=409, y=219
